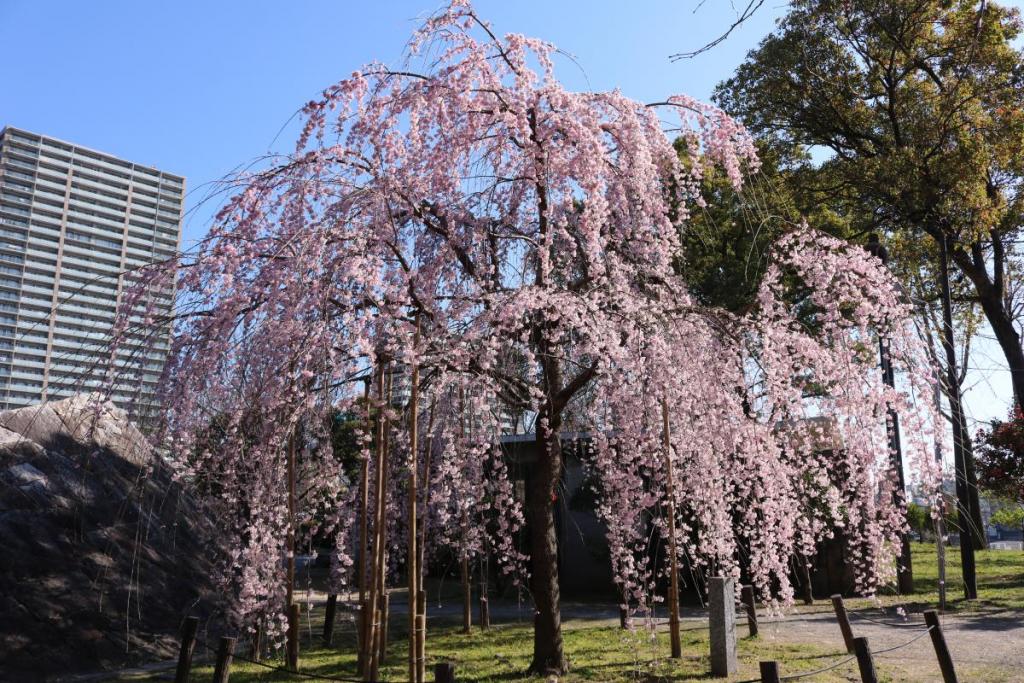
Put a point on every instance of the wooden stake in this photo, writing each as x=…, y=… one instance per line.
x=931, y=619
x=747, y=594
x=485, y=614
x=188, y=645
x=770, y=672
x=444, y=672
x=485, y=611
x=844, y=621
x=421, y=643
x=467, y=592
x=329, y=612
x=865, y=662
x=225, y=651
x=385, y=618
x=673, y=586
x=292, y=646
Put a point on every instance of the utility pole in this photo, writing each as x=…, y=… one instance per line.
x=905, y=570
x=960, y=456
x=940, y=520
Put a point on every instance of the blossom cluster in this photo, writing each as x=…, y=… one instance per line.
x=532, y=234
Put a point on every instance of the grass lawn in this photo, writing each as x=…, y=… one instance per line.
x=1000, y=580
x=596, y=653
x=607, y=653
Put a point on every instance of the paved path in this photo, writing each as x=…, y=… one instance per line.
x=986, y=646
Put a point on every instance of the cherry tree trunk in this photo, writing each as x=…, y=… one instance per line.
x=548, y=654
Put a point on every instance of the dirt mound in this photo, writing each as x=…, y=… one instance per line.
x=102, y=554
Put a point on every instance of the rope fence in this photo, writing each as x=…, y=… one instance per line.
x=862, y=653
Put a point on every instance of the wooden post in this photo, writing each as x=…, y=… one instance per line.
x=188, y=645
x=329, y=612
x=844, y=621
x=931, y=619
x=747, y=595
x=225, y=651
x=770, y=672
x=411, y=553
x=444, y=672
x=292, y=646
x=485, y=614
x=256, y=647
x=673, y=582
x=421, y=644
x=864, y=661
x=385, y=616
x=363, y=636
x=467, y=594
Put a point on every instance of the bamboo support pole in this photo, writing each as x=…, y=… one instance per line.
x=412, y=552
x=373, y=601
x=673, y=590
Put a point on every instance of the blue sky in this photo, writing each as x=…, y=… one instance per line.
x=200, y=88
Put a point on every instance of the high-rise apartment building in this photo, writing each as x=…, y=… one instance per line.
x=73, y=223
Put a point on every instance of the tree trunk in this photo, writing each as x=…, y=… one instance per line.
x=1009, y=342
x=548, y=653
x=990, y=296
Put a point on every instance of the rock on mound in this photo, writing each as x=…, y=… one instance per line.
x=102, y=554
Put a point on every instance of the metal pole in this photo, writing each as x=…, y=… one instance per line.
x=959, y=444
x=940, y=520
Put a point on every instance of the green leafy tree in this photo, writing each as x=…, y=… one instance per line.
x=919, y=519
x=1010, y=516
x=918, y=106
x=726, y=242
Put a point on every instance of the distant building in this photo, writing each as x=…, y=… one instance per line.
x=73, y=222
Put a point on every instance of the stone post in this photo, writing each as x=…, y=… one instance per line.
x=722, y=599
